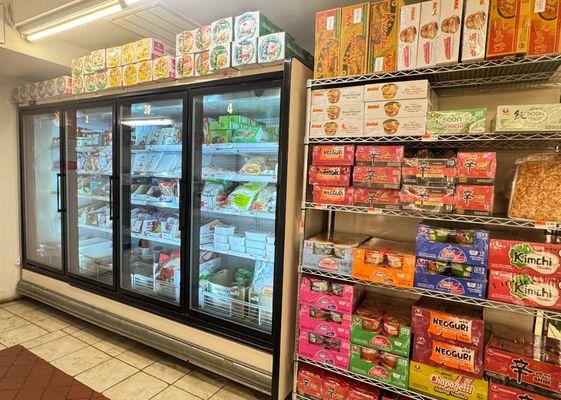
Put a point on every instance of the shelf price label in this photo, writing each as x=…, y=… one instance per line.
x=375, y=211
x=547, y=225
x=429, y=138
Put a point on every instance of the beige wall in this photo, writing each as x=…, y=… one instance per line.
x=9, y=193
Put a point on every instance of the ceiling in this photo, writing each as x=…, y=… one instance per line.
x=16, y=66
x=294, y=16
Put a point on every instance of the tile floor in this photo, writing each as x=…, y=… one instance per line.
x=111, y=364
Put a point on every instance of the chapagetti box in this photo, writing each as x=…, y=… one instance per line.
x=446, y=384
x=408, y=39
x=456, y=122
x=324, y=350
x=475, y=253
x=508, y=28
x=380, y=365
x=459, y=322
x=397, y=91
x=414, y=126
x=353, y=50
x=390, y=156
x=500, y=392
x=335, y=255
x=525, y=290
x=329, y=176
x=396, y=108
x=474, y=200
x=382, y=199
x=444, y=353
x=341, y=297
x=316, y=320
x=384, y=26
x=385, y=262
x=451, y=15
x=429, y=33
x=327, y=40
x=537, y=259
x=525, y=118
x=336, y=155
x=545, y=28
x=349, y=94
x=476, y=18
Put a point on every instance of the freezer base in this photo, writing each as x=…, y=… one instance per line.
x=226, y=365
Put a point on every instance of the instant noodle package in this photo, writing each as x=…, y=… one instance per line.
x=474, y=200
x=98, y=60
x=244, y=53
x=419, y=89
x=114, y=57
x=222, y=31
x=545, y=28
x=144, y=71
x=329, y=295
x=537, y=259
x=429, y=33
x=327, y=41
x=528, y=118
x=253, y=24
x=353, y=49
x=185, y=66
x=115, y=77
x=427, y=198
x=130, y=73
x=501, y=392
x=163, y=68
x=440, y=172
x=449, y=39
x=319, y=348
x=202, y=63
x=408, y=37
x=384, y=24
x=220, y=57
x=508, y=28
x=324, y=322
x=476, y=19
x=380, y=365
x=185, y=43
x=274, y=48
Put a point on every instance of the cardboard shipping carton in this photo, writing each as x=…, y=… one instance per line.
x=384, y=25
x=354, y=33
x=408, y=39
x=328, y=29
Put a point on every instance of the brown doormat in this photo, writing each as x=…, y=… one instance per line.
x=24, y=376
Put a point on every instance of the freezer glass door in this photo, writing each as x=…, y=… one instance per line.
x=151, y=178
x=89, y=179
x=236, y=148
x=43, y=191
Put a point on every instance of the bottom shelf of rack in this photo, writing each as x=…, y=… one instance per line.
x=360, y=378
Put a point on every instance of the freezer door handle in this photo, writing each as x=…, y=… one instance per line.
x=58, y=179
x=111, y=215
x=181, y=196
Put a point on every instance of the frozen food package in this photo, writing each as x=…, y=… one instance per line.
x=426, y=198
x=353, y=49
x=474, y=200
x=429, y=33
x=222, y=31
x=266, y=200
x=384, y=26
x=451, y=13
x=244, y=53
x=327, y=41
x=185, y=43
x=252, y=24
x=98, y=59
x=114, y=56
x=220, y=57
x=528, y=118
x=202, y=63
x=476, y=19
x=536, y=190
x=408, y=39
x=185, y=66
x=545, y=28
x=243, y=196
x=163, y=68
x=203, y=38
x=476, y=168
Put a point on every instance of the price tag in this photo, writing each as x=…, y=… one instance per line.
x=322, y=206
x=547, y=225
x=429, y=138
x=376, y=211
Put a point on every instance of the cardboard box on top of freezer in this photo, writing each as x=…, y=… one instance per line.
x=429, y=33
x=474, y=31
x=354, y=34
x=384, y=27
x=327, y=41
x=408, y=39
x=451, y=13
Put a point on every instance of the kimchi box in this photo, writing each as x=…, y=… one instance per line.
x=377, y=262
x=343, y=299
x=408, y=38
x=446, y=384
x=473, y=254
x=383, y=199
x=377, y=177
x=396, y=108
x=335, y=195
x=338, y=113
x=525, y=290
x=474, y=36
x=353, y=50
x=405, y=90
x=444, y=353
x=451, y=16
x=389, y=156
x=475, y=287
x=429, y=172
x=545, y=29
x=474, y=199
x=459, y=322
x=348, y=94
x=500, y=392
x=316, y=320
x=508, y=28
x=429, y=33
x=336, y=355
x=426, y=198
x=476, y=168
x=380, y=365
x=330, y=176
x=327, y=40
x=384, y=25
x=343, y=155
x=538, y=259
x=335, y=255
x=521, y=362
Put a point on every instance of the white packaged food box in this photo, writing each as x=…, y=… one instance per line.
x=203, y=38
x=244, y=53
x=202, y=63
x=275, y=47
x=32, y=90
x=144, y=71
x=50, y=85
x=397, y=90
x=524, y=118
x=130, y=72
x=222, y=31
x=350, y=94
x=428, y=33
x=220, y=57
x=101, y=80
x=451, y=13
x=163, y=68
x=63, y=85
x=334, y=112
x=253, y=24
x=148, y=49
x=41, y=90
x=78, y=84
x=87, y=64
x=185, y=43
x=185, y=66
x=415, y=126
x=98, y=60
x=408, y=38
x=396, y=108
x=15, y=95
x=476, y=19
x=114, y=57
x=337, y=128
x=77, y=66
x=90, y=83
x=115, y=77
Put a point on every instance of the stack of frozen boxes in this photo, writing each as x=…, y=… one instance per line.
x=234, y=43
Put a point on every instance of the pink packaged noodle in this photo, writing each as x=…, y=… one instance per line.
x=328, y=295
x=327, y=323
x=334, y=352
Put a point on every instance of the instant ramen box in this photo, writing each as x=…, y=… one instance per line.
x=115, y=77
x=220, y=57
x=15, y=95
x=203, y=38
x=244, y=53
x=353, y=50
x=114, y=57
x=451, y=15
x=500, y=392
x=128, y=53
x=398, y=91
x=163, y=68
x=429, y=34
x=253, y=24
x=78, y=84
x=545, y=28
x=41, y=90
x=185, y=66
x=130, y=73
x=202, y=63
x=380, y=365
x=456, y=122
x=62, y=86
x=474, y=35
x=101, y=80
x=90, y=83
x=144, y=71
x=77, y=66
x=508, y=28
x=49, y=87
x=147, y=49
x=384, y=24
x=408, y=39
x=23, y=93
x=276, y=47
x=222, y=31
x=87, y=63
x=185, y=43
x=98, y=60
x=327, y=40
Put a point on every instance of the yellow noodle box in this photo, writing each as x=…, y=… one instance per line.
x=328, y=29
x=384, y=25
x=354, y=35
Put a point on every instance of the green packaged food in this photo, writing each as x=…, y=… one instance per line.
x=437, y=268
x=224, y=124
x=461, y=270
x=220, y=135
x=243, y=196
x=254, y=134
x=456, y=122
x=243, y=276
x=236, y=119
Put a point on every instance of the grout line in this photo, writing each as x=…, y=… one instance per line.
x=52, y=340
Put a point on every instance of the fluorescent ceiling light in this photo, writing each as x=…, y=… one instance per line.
x=129, y=2
x=73, y=22
x=147, y=121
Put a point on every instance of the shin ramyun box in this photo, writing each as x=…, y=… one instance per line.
x=474, y=35
x=327, y=40
x=408, y=38
x=353, y=50
x=501, y=392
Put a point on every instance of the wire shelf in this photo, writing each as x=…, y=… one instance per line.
x=155, y=287
x=535, y=312
x=502, y=140
x=504, y=73
x=468, y=219
x=364, y=379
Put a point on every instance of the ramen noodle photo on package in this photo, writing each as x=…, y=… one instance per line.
x=397, y=91
x=353, y=49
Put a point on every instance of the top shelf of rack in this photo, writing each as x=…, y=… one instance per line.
x=501, y=74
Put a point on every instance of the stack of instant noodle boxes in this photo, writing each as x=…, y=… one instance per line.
x=387, y=35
